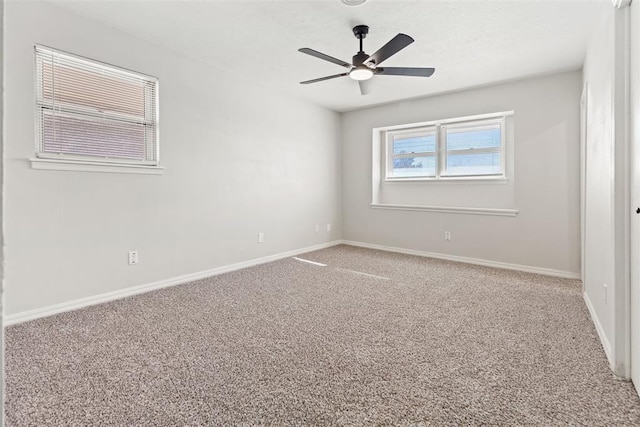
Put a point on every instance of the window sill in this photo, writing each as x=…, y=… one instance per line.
x=79, y=166
x=444, y=209
x=456, y=180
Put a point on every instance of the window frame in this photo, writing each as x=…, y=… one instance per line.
x=86, y=162
x=391, y=156
x=441, y=127
x=471, y=125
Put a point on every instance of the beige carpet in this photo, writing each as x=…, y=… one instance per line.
x=427, y=342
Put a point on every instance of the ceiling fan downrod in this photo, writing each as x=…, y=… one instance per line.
x=360, y=31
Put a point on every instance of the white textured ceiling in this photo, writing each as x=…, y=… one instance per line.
x=470, y=43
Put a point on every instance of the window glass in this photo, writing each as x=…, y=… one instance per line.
x=414, y=143
x=404, y=167
x=477, y=137
x=473, y=164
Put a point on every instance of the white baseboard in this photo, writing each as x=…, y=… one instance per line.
x=467, y=260
x=37, y=313
x=596, y=321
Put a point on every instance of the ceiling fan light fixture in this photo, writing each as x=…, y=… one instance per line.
x=354, y=2
x=361, y=72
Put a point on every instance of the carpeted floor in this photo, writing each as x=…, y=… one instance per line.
x=371, y=338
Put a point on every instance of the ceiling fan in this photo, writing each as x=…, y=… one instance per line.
x=366, y=66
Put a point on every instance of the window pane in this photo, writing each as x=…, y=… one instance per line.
x=93, y=137
x=474, y=164
x=414, y=167
x=476, y=137
x=424, y=143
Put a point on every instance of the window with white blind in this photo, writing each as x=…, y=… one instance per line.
x=448, y=149
x=92, y=113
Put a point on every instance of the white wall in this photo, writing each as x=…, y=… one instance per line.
x=606, y=186
x=634, y=93
x=1, y=210
x=238, y=160
x=544, y=234
x=598, y=75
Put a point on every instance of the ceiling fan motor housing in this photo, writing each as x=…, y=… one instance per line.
x=359, y=58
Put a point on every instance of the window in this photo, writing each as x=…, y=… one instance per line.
x=93, y=113
x=413, y=153
x=455, y=148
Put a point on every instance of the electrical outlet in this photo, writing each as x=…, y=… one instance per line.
x=133, y=257
x=604, y=287
x=447, y=235
x=260, y=237
x=328, y=227
x=317, y=228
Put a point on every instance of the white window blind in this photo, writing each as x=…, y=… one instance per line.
x=94, y=112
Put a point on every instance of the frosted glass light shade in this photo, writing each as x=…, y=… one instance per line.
x=361, y=73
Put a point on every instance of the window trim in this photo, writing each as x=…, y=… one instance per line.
x=447, y=209
x=87, y=163
x=440, y=127
x=82, y=166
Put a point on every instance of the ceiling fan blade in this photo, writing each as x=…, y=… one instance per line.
x=394, y=46
x=325, y=57
x=324, y=78
x=405, y=71
x=365, y=87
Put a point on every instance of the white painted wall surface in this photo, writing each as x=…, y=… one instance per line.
x=621, y=209
x=598, y=75
x=546, y=231
x=1, y=210
x=238, y=160
x=606, y=281
x=635, y=191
